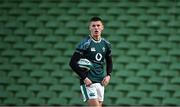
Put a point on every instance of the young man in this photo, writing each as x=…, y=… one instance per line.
x=97, y=50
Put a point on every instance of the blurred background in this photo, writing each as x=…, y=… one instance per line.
x=38, y=37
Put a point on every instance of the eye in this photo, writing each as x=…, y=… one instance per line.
x=93, y=25
x=98, y=25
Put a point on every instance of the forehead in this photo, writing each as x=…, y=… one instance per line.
x=96, y=23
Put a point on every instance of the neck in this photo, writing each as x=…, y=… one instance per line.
x=96, y=38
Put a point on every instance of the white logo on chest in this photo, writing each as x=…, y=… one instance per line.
x=93, y=49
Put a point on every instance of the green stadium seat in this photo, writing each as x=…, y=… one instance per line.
x=12, y=39
x=36, y=11
x=125, y=45
x=38, y=74
x=160, y=94
x=43, y=31
x=15, y=88
x=173, y=24
x=147, y=87
x=157, y=80
x=149, y=101
x=34, y=101
x=24, y=94
x=164, y=31
x=48, y=80
x=33, y=24
x=19, y=60
x=57, y=101
x=136, y=52
x=124, y=31
x=76, y=102
x=170, y=87
x=145, y=17
x=26, y=80
x=125, y=59
x=125, y=101
x=13, y=101
x=66, y=94
x=157, y=38
x=174, y=38
x=52, y=39
x=16, y=74
x=53, y=24
x=32, y=39
x=177, y=94
x=137, y=94
x=145, y=59
x=135, y=11
x=40, y=59
x=73, y=39
x=50, y=52
x=36, y=88
x=28, y=66
x=50, y=67
x=171, y=101
x=21, y=45
x=46, y=94
x=68, y=53
x=13, y=24
x=42, y=45
x=57, y=74
x=166, y=45
x=156, y=66
x=125, y=87
x=175, y=80
x=5, y=94
x=113, y=95
x=144, y=31
x=82, y=31
x=114, y=11
x=47, y=5
x=61, y=46
x=10, y=53
x=146, y=45
x=174, y=52
x=61, y=32
x=55, y=11
x=113, y=24
x=65, y=18
x=175, y=66
x=69, y=80
x=168, y=73
x=95, y=11
x=146, y=73
x=135, y=80
x=125, y=73
x=61, y=59
x=75, y=11
x=58, y=88
x=154, y=24
x=7, y=67
x=134, y=66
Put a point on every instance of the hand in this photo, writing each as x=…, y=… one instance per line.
x=87, y=81
x=106, y=80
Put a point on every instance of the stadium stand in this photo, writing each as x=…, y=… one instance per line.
x=37, y=38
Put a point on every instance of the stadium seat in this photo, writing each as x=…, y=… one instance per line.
x=171, y=101
x=146, y=73
x=149, y=101
x=125, y=101
x=135, y=80
x=46, y=94
x=137, y=94
x=35, y=101
x=147, y=87
x=26, y=80
x=175, y=80
x=24, y=94
x=56, y=101
x=160, y=94
x=47, y=80
x=13, y=101
x=170, y=87
x=125, y=87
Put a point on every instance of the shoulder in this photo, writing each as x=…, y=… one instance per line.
x=106, y=42
x=84, y=44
